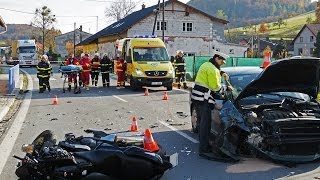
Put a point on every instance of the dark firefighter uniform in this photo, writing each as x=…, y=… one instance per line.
x=44, y=71
x=206, y=90
x=95, y=69
x=180, y=70
x=105, y=66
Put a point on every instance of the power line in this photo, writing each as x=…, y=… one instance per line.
x=17, y=11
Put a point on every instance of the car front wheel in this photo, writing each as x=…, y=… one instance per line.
x=195, y=119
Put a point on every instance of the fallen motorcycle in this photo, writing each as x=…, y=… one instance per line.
x=102, y=156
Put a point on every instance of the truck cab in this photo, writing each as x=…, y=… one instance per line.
x=148, y=62
x=27, y=53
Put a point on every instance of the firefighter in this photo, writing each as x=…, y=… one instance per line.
x=180, y=69
x=120, y=68
x=72, y=77
x=85, y=75
x=95, y=67
x=44, y=70
x=105, y=66
x=206, y=90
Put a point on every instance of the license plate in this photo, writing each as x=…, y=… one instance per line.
x=174, y=159
x=156, y=83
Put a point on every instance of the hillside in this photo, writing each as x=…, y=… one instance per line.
x=20, y=31
x=248, y=12
x=288, y=30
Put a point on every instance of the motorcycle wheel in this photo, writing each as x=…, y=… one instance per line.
x=43, y=137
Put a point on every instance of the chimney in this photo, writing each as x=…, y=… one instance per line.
x=143, y=6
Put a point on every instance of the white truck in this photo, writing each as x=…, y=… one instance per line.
x=26, y=52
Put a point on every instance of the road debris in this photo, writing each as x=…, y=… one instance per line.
x=141, y=118
x=69, y=102
x=107, y=129
x=154, y=125
x=54, y=119
x=182, y=115
x=169, y=120
x=48, y=114
x=177, y=124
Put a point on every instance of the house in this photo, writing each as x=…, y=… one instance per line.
x=303, y=43
x=185, y=28
x=62, y=39
x=2, y=24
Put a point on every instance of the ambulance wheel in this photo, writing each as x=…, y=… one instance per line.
x=133, y=85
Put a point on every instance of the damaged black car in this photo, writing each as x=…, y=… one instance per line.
x=276, y=115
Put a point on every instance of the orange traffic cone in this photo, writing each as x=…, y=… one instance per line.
x=146, y=92
x=55, y=100
x=134, y=125
x=165, y=96
x=266, y=60
x=149, y=143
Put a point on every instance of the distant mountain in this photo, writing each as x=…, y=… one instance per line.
x=246, y=12
x=20, y=31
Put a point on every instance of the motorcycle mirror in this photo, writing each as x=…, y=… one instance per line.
x=27, y=148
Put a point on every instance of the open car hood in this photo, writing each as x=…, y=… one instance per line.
x=288, y=75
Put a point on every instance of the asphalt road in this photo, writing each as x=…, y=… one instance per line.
x=110, y=108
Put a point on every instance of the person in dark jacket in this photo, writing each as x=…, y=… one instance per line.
x=44, y=70
x=95, y=68
x=180, y=69
x=105, y=66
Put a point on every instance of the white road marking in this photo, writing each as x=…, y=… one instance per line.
x=11, y=137
x=119, y=98
x=179, y=132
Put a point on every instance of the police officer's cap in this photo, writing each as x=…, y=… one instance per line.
x=221, y=55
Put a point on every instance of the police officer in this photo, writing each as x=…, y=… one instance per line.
x=105, y=66
x=180, y=69
x=44, y=70
x=95, y=66
x=206, y=89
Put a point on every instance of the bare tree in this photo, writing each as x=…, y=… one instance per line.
x=120, y=9
x=44, y=19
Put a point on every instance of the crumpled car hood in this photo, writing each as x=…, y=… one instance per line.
x=288, y=75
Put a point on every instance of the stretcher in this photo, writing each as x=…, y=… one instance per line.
x=73, y=73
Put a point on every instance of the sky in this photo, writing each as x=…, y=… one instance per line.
x=84, y=12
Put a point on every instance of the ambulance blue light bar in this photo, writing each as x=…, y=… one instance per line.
x=144, y=36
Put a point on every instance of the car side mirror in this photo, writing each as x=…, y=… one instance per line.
x=128, y=59
x=172, y=58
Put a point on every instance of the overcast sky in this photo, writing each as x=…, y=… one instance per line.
x=89, y=9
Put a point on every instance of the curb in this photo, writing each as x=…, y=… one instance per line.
x=5, y=110
x=314, y=174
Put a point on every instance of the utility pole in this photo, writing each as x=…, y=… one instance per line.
x=80, y=33
x=162, y=25
x=97, y=22
x=74, y=39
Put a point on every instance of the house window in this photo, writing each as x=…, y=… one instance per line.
x=311, y=38
x=231, y=51
x=161, y=25
x=300, y=51
x=301, y=39
x=187, y=27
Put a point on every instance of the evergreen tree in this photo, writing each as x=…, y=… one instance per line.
x=317, y=13
x=316, y=51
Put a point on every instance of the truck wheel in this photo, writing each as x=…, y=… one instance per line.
x=169, y=88
x=133, y=85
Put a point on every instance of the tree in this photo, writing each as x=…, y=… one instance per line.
x=281, y=51
x=317, y=13
x=120, y=9
x=316, y=51
x=309, y=20
x=44, y=19
x=263, y=28
x=220, y=14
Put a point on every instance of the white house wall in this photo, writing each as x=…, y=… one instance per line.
x=306, y=33
x=205, y=35
x=108, y=48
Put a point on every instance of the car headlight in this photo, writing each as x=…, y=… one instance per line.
x=139, y=72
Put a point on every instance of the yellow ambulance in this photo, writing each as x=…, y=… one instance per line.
x=147, y=62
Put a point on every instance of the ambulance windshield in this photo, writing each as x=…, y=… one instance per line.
x=150, y=54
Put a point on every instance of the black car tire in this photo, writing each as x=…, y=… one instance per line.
x=195, y=118
x=169, y=88
x=133, y=85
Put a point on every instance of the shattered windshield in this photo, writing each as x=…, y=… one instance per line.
x=150, y=54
